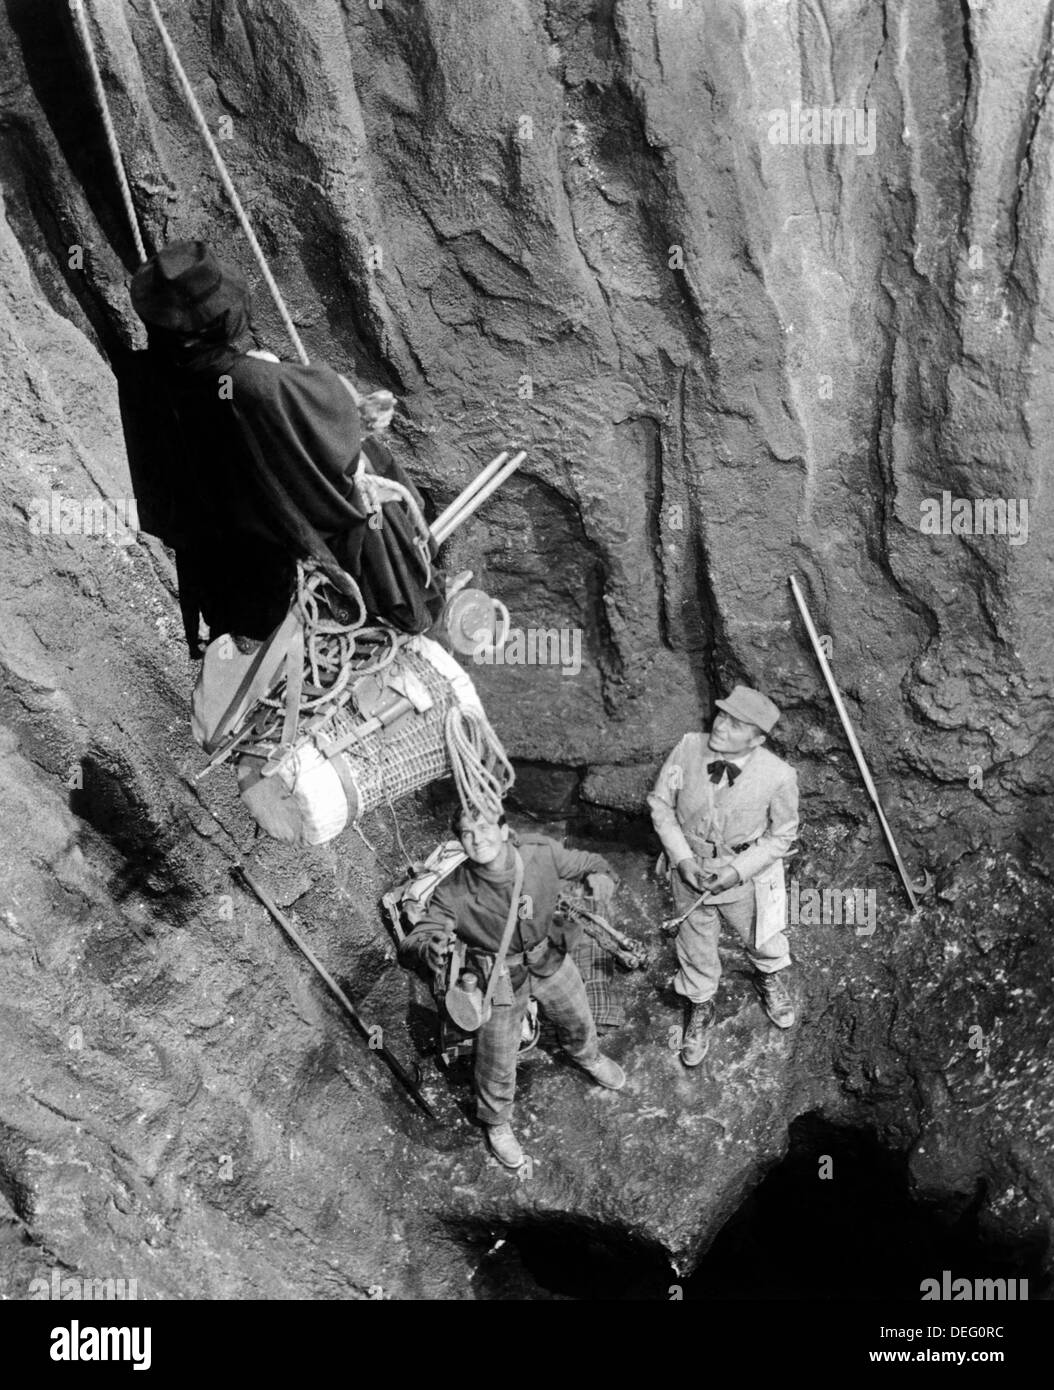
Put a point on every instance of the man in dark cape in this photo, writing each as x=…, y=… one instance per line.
x=243, y=464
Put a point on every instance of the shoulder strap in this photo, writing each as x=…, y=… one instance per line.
x=510, y=927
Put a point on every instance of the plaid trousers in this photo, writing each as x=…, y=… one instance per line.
x=562, y=998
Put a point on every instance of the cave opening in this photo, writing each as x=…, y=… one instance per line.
x=859, y=1233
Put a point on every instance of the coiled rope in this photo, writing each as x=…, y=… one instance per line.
x=482, y=771
x=337, y=649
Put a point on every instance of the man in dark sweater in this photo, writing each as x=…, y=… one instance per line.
x=473, y=904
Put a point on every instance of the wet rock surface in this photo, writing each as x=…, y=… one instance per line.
x=845, y=335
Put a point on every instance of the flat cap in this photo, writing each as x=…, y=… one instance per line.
x=751, y=705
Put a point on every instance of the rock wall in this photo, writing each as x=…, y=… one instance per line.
x=573, y=226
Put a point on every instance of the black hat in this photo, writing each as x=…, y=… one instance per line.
x=183, y=287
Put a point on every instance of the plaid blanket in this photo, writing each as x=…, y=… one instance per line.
x=600, y=970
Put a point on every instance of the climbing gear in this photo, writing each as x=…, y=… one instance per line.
x=697, y=1033
x=605, y=1071
x=332, y=717
x=385, y=739
x=482, y=771
x=467, y=1010
x=504, y=1145
x=370, y=1032
x=775, y=999
x=629, y=953
x=476, y=623
x=854, y=744
x=81, y=24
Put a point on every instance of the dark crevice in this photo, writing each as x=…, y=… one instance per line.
x=835, y=1219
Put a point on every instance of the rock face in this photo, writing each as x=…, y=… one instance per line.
x=734, y=352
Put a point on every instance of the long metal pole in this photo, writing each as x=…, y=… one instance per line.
x=470, y=491
x=476, y=501
x=854, y=743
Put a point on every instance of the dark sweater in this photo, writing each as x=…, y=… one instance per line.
x=474, y=900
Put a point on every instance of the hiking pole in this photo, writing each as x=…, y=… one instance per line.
x=399, y=1071
x=238, y=870
x=854, y=744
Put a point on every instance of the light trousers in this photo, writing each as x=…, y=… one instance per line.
x=698, y=958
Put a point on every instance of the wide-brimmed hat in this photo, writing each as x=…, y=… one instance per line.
x=751, y=705
x=184, y=287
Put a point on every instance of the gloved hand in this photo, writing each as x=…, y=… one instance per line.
x=691, y=872
x=376, y=411
x=602, y=887
x=438, y=946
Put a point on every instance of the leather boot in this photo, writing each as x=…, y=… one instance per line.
x=696, y=1041
x=504, y=1145
x=774, y=999
x=605, y=1072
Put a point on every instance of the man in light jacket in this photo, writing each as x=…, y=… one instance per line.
x=726, y=810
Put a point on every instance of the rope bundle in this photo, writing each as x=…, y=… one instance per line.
x=482, y=771
x=336, y=650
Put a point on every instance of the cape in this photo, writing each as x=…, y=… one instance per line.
x=244, y=471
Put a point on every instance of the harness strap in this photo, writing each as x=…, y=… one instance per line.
x=510, y=927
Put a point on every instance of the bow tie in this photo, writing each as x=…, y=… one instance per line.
x=718, y=769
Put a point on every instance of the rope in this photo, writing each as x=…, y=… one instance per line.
x=225, y=179
x=80, y=22
x=370, y=487
x=482, y=771
x=336, y=651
